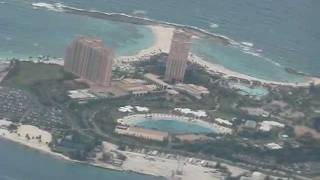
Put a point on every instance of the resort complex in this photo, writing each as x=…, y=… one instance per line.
x=87, y=58
x=162, y=112
x=178, y=56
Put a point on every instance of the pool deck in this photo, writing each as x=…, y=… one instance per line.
x=246, y=89
x=143, y=133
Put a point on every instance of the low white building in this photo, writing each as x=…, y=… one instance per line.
x=156, y=80
x=273, y=146
x=142, y=109
x=81, y=94
x=193, y=90
x=223, y=122
x=221, y=129
x=198, y=113
x=142, y=133
x=268, y=125
x=126, y=109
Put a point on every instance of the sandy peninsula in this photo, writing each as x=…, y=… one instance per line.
x=162, y=42
x=163, y=36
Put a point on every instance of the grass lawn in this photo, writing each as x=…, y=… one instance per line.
x=25, y=74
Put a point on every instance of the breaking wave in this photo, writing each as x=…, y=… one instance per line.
x=246, y=47
x=213, y=25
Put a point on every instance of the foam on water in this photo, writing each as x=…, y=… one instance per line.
x=249, y=44
x=52, y=7
x=250, y=48
x=213, y=25
x=245, y=47
x=46, y=30
x=139, y=12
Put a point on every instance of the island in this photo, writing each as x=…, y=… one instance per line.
x=163, y=111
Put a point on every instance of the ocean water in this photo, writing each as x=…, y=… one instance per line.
x=270, y=35
x=287, y=31
x=172, y=126
x=20, y=163
x=25, y=31
x=234, y=59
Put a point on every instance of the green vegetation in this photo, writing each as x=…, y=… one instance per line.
x=75, y=144
x=87, y=124
x=25, y=74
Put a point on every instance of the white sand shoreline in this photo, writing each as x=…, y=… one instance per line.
x=163, y=36
x=44, y=148
x=227, y=73
x=161, y=43
x=19, y=137
x=140, y=163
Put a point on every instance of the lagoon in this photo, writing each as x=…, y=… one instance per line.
x=26, y=32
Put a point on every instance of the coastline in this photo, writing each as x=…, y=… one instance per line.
x=154, y=25
x=136, y=162
x=33, y=144
x=44, y=148
x=47, y=151
x=122, y=17
x=228, y=73
x=163, y=36
x=162, y=42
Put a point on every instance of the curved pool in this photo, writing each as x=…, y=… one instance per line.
x=173, y=125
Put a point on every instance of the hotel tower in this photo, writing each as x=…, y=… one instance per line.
x=178, y=56
x=87, y=58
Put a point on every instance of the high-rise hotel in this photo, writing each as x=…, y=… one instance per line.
x=178, y=56
x=87, y=58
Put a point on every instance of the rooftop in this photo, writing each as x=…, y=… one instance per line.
x=156, y=79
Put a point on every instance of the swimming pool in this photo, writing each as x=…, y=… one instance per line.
x=251, y=91
x=173, y=125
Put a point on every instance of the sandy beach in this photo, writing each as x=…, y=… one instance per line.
x=136, y=162
x=161, y=43
x=163, y=36
x=227, y=73
x=19, y=136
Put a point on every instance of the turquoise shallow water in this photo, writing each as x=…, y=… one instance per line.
x=28, y=32
x=171, y=126
x=20, y=163
x=279, y=37
x=287, y=31
x=233, y=58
